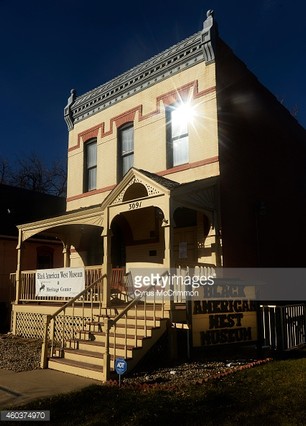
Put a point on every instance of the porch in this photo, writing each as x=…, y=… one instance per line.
x=85, y=334
x=146, y=223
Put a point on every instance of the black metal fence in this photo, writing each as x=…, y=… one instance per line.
x=283, y=327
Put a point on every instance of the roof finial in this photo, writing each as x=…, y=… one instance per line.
x=67, y=110
x=208, y=37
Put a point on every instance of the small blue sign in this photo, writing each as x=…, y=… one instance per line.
x=120, y=366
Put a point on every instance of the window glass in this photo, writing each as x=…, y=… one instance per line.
x=90, y=172
x=180, y=151
x=127, y=145
x=179, y=124
x=177, y=136
x=126, y=150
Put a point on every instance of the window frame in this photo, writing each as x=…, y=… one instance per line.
x=124, y=155
x=170, y=139
x=88, y=169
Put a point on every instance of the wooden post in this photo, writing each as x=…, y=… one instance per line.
x=44, y=347
x=106, y=367
x=14, y=325
x=66, y=253
x=106, y=281
x=18, y=271
x=260, y=330
x=168, y=231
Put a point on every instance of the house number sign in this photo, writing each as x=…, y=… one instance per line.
x=136, y=205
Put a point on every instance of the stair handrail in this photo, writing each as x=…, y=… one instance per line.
x=48, y=318
x=110, y=322
x=71, y=301
x=134, y=302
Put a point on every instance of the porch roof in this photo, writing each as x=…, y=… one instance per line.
x=51, y=226
x=165, y=182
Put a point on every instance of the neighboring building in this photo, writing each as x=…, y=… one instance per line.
x=18, y=205
x=185, y=160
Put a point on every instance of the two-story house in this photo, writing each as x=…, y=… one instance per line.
x=185, y=160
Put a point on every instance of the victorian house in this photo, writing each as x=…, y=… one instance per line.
x=184, y=161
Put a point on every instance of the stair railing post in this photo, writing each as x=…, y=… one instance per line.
x=145, y=313
x=52, y=331
x=91, y=304
x=125, y=336
x=44, y=348
x=106, y=368
x=136, y=325
x=63, y=330
x=115, y=340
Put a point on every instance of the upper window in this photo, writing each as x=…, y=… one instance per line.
x=90, y=165
x=177, y=135
x=126, y=149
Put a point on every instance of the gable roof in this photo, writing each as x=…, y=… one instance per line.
x=153, y=183
x=167, y=183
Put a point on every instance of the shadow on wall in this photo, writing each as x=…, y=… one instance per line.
x=4, y=318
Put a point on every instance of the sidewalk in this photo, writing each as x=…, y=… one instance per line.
x=21, y=388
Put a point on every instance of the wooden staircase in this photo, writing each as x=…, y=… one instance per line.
x=131, y=337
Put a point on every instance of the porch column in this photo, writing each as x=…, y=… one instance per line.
x=107, y=268
x=66, y=253
x=169, y=303
x=18, y=271
x=168, y=262
x=18, y=280
x=168, y=254
x=218, y=239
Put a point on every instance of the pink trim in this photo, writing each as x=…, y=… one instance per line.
x=189, y=166
x=90, y=193
x=167, y=98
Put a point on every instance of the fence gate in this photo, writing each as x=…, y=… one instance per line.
x=283, y=327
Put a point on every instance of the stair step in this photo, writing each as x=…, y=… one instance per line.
x=120, y=348
x=85, y=334
x=82, y=355
x=78, y=368
x=94, y=326
x=109, y=312
x=140, y=329
x=100, y=336
x=120, y=334
x=120, y=338
x=131, y=327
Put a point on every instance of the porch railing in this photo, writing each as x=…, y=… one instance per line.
x=283, y=327
x=27, y=286
x=180, y=295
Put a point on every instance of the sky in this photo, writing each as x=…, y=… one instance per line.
x=49, y=47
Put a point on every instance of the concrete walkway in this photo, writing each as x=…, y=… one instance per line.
x=21, y=388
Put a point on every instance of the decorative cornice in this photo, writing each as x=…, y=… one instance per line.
x=194, y=49
x=67, y=110
x=126, y=116
x=208, y=37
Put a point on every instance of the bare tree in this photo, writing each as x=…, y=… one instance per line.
x=31, y=173
x=5, y=171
